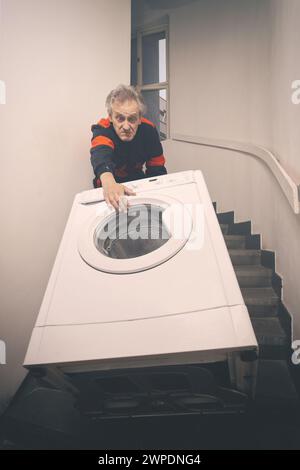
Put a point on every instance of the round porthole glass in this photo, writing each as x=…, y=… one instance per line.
x=131, y=234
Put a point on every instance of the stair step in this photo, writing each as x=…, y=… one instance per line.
x=253, y=275
x=235, y=241
x=272, y=339
x=224, y=228
x=241, y=228
x=245, y=256
x=226, y=217
x=261, y=301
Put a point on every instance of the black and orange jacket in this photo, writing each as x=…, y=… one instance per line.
x=126, y=160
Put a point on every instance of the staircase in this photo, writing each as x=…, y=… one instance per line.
x=260, y=287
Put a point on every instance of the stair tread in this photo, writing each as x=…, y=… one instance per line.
x=235, y=241
x=234, y=237
x=244, y=256
x=260, y=295
x=243, y=251
x=253, y=275
x=224, y=228
x=269, y=331
x=252, y=270
x=225, y=217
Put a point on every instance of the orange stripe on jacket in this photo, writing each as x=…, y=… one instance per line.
x=156, y=161
x=102, y=140
x=146, y=121
x=104, y=122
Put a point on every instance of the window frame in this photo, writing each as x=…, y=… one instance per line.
x=153, y=86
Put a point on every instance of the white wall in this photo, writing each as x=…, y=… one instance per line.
x=59, y=59
x=240, y=57
x=285, y=68
x=222, y=49
x=232, y=64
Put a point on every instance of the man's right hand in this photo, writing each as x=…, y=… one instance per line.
x=113, y=192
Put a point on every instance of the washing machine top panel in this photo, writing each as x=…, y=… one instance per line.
x=196, y=276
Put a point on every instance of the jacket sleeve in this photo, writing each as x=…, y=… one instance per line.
x=155, y=164
x=102, y=150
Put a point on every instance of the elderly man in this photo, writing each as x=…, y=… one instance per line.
x=123, y=143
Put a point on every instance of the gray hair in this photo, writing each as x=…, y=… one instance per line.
x=125, y=93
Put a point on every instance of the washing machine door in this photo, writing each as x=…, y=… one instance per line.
x=152, y=230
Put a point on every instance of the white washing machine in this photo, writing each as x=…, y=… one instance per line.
x=169, y=298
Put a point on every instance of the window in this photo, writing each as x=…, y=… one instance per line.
x=149, y=72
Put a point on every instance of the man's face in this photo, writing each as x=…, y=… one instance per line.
x=125, y=119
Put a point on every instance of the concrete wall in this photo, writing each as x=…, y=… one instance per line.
x=58, y=59
x=232, y=64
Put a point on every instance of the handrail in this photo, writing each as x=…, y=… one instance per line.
x=289, y=187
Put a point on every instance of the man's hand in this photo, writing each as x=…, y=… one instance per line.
x=113, y=192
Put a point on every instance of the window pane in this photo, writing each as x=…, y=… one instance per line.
x=154, y=58
x=156, y=102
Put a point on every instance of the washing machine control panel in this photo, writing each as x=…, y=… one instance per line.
x=147, y=184
x=165, y=181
